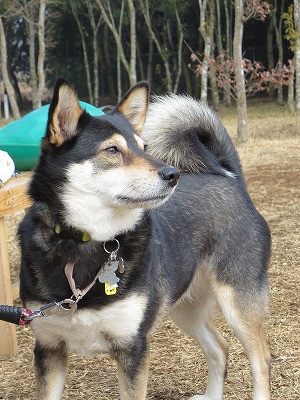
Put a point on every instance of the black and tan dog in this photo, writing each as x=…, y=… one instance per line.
x=118, y=239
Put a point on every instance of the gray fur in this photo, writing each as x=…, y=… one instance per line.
x=175, y=127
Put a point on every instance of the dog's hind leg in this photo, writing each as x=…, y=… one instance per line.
x=194, y=317
x=51, y=366
x=247, y=324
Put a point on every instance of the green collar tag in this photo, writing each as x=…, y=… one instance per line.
x=86, y=237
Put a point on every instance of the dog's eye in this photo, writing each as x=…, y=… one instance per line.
x=112, y=149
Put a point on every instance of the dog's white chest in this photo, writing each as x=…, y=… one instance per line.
x=90, y=331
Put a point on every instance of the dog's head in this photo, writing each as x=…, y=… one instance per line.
x=96, y=170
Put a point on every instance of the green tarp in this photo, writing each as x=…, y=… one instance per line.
x=21, y=139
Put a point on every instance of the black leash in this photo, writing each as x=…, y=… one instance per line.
x=23, y=316
x=15, y=315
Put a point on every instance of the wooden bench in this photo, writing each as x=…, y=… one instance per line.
x=13, y=198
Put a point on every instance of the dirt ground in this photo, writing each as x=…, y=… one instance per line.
x=271, y=163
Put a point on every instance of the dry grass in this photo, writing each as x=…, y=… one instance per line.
x=271, y=163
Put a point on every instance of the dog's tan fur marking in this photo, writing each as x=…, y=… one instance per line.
x=115, y=140
x=117, y=159
x=193, y=313
x=50, y=385
x=140, y=142
x=137, y=389
x=247, y=324
x=125, y=155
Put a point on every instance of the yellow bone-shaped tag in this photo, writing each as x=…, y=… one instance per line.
x=110, y=289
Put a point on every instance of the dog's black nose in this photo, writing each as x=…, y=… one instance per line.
x=170, y=174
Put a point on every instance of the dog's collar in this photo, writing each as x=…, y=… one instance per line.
x=106, y=274
x=66, y=232
x=70, y=233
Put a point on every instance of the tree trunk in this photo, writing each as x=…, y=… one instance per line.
x=228, y=29
x=278, y=36
x=218, y=27
x=119, y=71
x=187, y=78
x=109, y=20
x=140, y=62
x=7, y=83
x=85, y=55
x=95, y=28
x=213, y=81
x=228, y=41
x=207, y=48
x=37, y=80
x=33, y=77
x=239, y=72
x=150, y=58
x=132, y=64
x=162, y=53
x=96, y=70
x=179, y=51
x=270, y=54
x=291, y=88
x=31, y=42
x=41, y=56
x=108, y=64
x=297, y=52
x=14, y=81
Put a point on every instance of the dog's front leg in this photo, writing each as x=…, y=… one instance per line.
x=133, y=371
x=51, y=364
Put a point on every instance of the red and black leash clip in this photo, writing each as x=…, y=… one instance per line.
x=23, y=316
x=16, y=315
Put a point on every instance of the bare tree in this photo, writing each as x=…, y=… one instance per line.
x=297, y=51
x=179, y=51
x=204, y=29
x=42, y=52
x=28, y=12
x=172, y=84
x=207, y=27
x=228, y=40
x=84, y=50
x=239, y=71
x=118, y=53
x=95, y=27
x=276, y=16
x=7, y=83
x=244, y=10
x=213, y=81
x=107, y=14
x=132, y=64
x=34, y=12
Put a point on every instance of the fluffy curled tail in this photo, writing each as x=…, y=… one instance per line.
x=188, y=135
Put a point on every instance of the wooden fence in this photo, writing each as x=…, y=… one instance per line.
x=13, y=198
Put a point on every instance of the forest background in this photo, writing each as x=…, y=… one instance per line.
x=221, y=51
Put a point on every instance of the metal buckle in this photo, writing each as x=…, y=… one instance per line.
x=64, y=306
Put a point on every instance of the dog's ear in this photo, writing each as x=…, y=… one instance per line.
x=134, y=105
x=64, y=113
